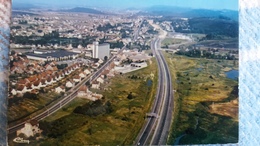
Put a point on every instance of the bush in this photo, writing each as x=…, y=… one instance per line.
x=30, y=96
x=130, y=96
x=94, y=108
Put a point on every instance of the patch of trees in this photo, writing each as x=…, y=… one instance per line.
x=30, y=96
x=117, y=44
x=123, y=34
x=51, y=39
x=62, y=66
x=205, y=54
x=134, y=77
x=130, y=96
x=14, y=101
x=39, y=19
x=94, y=108
x=205, y=25
x=235, y=91
x=105, y=28
x=59, y=127
x=16, y=27
x=151, y=31
x=23, y=22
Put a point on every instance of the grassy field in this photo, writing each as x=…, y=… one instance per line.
x=28, y=106
x=206, y=102
x=117, y=128
x=197, y=36
x=172, y=41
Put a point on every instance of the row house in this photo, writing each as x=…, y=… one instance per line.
x=95, y=85
x=60, y=89
x=100, y=80
x=69, y=84
x=87, y=72
x=46, y=78
x=82, y=75
x=77, y=78
x=83, y=91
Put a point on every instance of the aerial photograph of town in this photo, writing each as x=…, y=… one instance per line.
x=111, y=72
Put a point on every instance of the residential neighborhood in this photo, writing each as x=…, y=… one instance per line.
x=108, y=75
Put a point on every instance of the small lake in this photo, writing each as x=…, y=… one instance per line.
x=233, y=74
x=149, y=83
x=199, y=69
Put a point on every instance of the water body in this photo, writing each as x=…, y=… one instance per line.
x=199, y=69
x=178, y=139
x=233, y=74
x=149, y=83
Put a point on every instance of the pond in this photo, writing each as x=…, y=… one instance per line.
x=149, y=83
x=199, y=69
x=233, y=74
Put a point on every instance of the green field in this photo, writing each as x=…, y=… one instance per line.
x=117, y=128
x=28, y=106
x=172, y=41
x=206, y=109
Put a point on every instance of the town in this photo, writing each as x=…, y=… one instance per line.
x=57, y=57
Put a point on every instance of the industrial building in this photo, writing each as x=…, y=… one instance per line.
x=51, y=55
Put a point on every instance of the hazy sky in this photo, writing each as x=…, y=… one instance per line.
x=206, y=4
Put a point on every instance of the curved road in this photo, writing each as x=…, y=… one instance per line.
x=156, y=130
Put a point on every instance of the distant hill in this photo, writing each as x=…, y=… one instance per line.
x=224, y=14
x=190, y=13
x=83, y=10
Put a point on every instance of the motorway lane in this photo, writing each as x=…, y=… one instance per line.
x=161, y=132
x=162, y=105
x=146, y=132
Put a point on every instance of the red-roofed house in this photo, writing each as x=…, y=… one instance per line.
x=43, y=82
x=95, y=85
x=83, y=91
x=37, y=84
x=87, y=72
x=23, y=81
x=77, y=78
x=21, y=89
x=60, y=89
x=82, y=75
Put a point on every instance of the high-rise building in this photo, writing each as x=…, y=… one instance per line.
x=101, y=50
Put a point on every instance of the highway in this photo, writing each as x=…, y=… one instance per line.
x=156, y=129
x=65, y=100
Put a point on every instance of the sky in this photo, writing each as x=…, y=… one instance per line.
x=205, y=4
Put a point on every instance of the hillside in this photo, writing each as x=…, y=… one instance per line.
x=83, y=10
x=190, y=13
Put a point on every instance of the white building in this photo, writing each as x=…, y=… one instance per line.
x=100, y=80
x=60, y=89
x=101, y=50
x=29, y=129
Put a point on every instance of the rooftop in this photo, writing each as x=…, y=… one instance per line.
x=53, y=54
